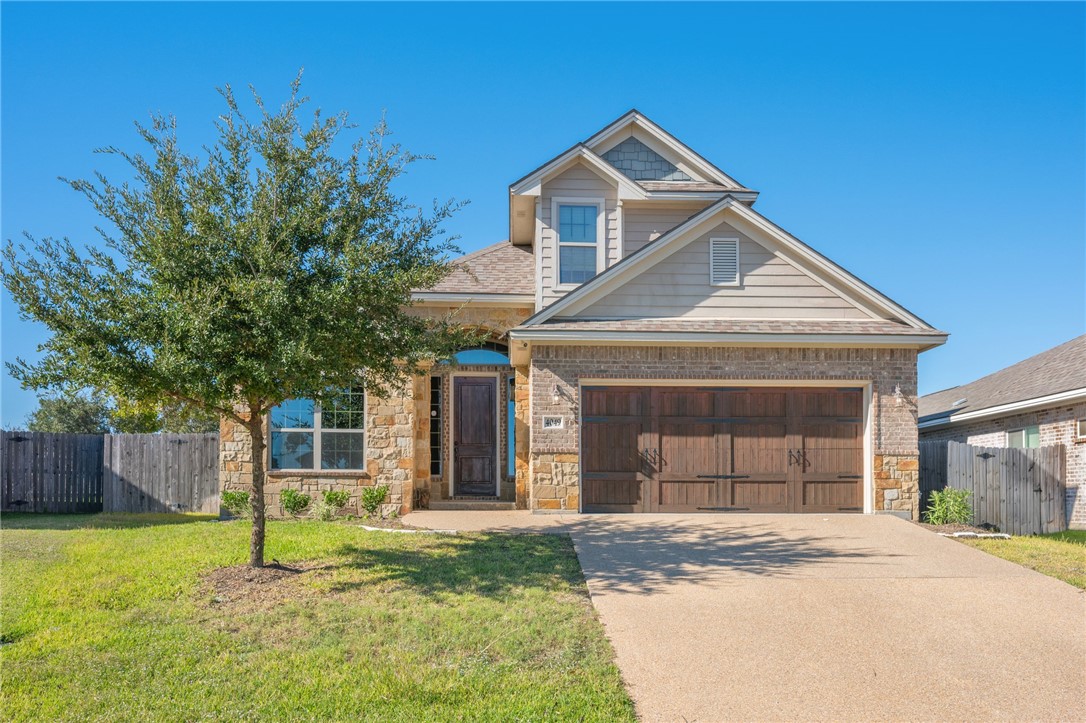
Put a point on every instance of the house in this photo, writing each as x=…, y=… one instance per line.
x=656, y=344
x=1035, y=403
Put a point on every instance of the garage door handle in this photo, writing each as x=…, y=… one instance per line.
x=850, y=476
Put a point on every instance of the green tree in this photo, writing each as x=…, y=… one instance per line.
x=169, y=416
x=69, y=411
x=276, y=264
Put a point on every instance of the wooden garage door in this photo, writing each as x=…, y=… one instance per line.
x=686, y=449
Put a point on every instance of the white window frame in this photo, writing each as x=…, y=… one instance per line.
x=317, y=429
x=601, y=235
x=1025, y=437
x=1080, y=430
x=738, y=267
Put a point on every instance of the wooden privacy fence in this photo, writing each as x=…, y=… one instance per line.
x=51, y=472
x=44, y=472
x=1020, y=491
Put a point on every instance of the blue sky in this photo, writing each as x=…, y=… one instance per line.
x=935, y=150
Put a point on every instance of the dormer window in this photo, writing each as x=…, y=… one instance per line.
x=578, y=242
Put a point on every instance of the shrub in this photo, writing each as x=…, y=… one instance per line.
x=323, y=511
x=337, y=499
x=949, y=506
x=373, y=498
x=237, y=503
x=293, y=501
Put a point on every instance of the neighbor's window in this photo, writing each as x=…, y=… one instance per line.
x=576, y=243
x=305, y=435
x=1025, y=438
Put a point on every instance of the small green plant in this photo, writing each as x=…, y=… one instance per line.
x=237, y=503
x=337, y=499
x=293, y=501
x=373, y=498
x=949, y=506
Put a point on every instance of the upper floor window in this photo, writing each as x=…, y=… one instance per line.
x=577, y=239
x=1025, y=438
x=305, y=435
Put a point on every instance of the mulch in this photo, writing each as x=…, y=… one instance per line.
x=951, y=529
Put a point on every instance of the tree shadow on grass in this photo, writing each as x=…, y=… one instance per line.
x=96, y=521
x=640, y=558
x=491, y=565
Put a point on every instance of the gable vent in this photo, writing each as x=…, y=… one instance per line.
x=724, y=261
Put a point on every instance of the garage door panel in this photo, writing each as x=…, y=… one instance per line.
x=755, y=403
x=685, y=495
x=672, y=449
x=612, y=447
x=760, y=495
x=759, y=448
x=688, y=449
x=611, y=494
x=613, y=402
x=830, y=496
x=828, y=403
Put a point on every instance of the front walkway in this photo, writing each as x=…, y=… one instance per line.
x=790, y=617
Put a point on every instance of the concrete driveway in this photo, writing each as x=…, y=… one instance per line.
x=788, y=617
x=813, y=617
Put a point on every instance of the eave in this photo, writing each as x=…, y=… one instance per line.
x=1071, y=396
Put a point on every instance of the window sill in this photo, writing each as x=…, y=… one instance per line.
x=320, y=473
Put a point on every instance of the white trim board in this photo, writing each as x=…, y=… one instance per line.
x=423, y=298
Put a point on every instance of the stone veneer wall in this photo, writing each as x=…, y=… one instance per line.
x=390, y=425
x=498, y=321
x=553, y=453
x=1056, y=425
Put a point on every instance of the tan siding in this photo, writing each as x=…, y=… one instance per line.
x=578, y=181
x=643, y=224
x=679, y=287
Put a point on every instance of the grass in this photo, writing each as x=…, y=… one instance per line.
x=1061, y=555
x=114, y=618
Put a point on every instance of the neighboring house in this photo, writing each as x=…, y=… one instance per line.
x=1035, y=403
x=656, y=345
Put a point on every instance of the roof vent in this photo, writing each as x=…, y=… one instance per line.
x=958, y=403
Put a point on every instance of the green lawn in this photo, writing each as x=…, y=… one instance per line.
x=1061, y=555
x=110, y=617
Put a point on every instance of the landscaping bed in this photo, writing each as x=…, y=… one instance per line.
x=124, y=617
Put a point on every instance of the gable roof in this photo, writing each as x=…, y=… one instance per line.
x=589, y=151
x=1053, y=373
x=837, y=278
x=500, y=268
x=636, y=117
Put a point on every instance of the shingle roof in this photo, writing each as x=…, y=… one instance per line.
x=501, y=268
x=739, y=326
x=1060, y=369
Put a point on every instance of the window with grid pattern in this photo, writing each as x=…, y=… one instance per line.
x=577, y=238
x=305, y=435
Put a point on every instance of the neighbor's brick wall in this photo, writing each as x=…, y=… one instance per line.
x=1056, y=426
x=554, y=469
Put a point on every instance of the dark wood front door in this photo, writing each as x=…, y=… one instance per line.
x=680, y=449
x=475, y=444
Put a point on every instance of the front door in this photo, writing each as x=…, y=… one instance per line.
x=475, y=444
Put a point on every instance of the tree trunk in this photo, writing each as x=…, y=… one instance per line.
x=256, y=542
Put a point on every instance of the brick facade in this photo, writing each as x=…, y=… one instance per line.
x=1056, y=426
x=552, y=455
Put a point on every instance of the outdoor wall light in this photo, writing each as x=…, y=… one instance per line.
x=556, y=395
